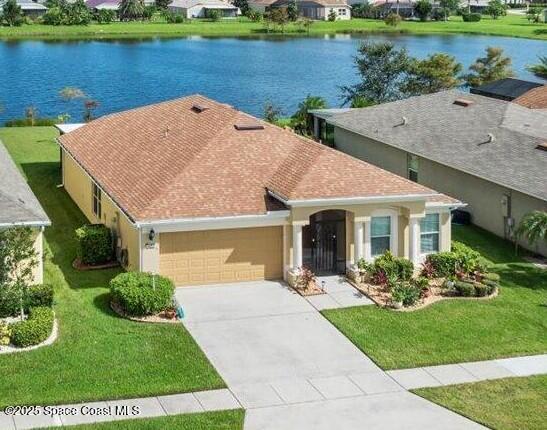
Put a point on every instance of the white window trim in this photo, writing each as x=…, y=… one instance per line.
x=99, y=197
x=393, y=214
x=423, y=255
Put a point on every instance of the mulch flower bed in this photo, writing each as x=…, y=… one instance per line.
x=380, y=295
x=309, y=290
x=78, y=265
x=162, y=317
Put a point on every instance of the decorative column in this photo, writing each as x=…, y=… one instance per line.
x=367, y=252
x=414, y=240
x=296, y=246
x=358, y=240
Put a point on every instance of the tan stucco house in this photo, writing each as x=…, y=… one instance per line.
x=19, y=207
x=489, y=153
x=312, y=9
x=203, y=193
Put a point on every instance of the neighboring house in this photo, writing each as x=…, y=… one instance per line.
x=536, y=98
x=473, y=6
x=201, y=8
x=110, y=4
x=506, y=89
x=484, y=151
x=313, y=9
x=202, y=193
x=20, y=208
x=30, y=8
x=404, y=8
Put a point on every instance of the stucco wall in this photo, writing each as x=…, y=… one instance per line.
x=483, y=197
x=79, y=186
x=38, y=270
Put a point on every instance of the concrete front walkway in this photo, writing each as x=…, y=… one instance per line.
x=291, y=369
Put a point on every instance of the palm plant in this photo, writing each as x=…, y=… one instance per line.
x=533, y=226
x=301, y=120
x=539, y=69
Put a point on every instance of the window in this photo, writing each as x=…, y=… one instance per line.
x=341, y=11
x=96, y=195
x=412, y=165
x=429, y=234
x=380, y=235
x=326, y=133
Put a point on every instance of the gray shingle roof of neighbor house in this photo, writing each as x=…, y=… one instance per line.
x=18, y=205
x=493, y=139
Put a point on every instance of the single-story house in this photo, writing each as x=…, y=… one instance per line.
x=30, y=8
x=313, y=9
x=506, y=89
x=474, y=6
x=19, y=207
x=201, y=8
x=111, y=4
x=484, y=151
x=202, y=193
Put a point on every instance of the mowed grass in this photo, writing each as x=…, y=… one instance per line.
x=98, y=355
x=510, y=25
x=225, y=420
x=504, y=404
x=512, y=324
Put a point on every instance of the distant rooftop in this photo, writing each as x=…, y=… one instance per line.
x=505, y=89
x=67, y=128
x=18, y=205
x=489, y=138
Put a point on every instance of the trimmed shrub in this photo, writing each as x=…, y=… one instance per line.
x=468, y=259
x=5, y=333
x=471, y=17
x=39, y=295
x=95, y=242
x=141, y=294
x=443, y=263
x=494, y=277
x=481, y=290
x=10, y=301
x=406, y=293
x=465, y=289
x=35, y=329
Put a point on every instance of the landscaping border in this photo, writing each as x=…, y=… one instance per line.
x=8, y=349
x=153, y=319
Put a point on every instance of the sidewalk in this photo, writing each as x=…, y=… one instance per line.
x=460, y=373
x=114, y=410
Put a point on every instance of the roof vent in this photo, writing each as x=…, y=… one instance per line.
x=491, y=138
x=199, y=108
x=542, y=146
x=248, y=125
x=463, y=102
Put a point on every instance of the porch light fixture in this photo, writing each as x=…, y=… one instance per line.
x=151, y=235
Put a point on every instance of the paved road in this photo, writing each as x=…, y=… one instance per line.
x=291, y=369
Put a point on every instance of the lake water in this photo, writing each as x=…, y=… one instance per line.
x=241, y=72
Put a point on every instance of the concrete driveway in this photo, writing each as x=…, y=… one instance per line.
x=291, y=369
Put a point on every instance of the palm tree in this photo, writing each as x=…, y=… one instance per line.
x=533, y=226
x=539, y=69
x=131, y=10
x=301, y=120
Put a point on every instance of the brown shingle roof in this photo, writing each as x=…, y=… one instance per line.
x=168, y=161
x=536, y=98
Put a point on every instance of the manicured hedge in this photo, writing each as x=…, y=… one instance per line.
x=392, y=266
x=95, y=244
x=35, y=329
x=471, y=17
x=465, y=289
x=141, y=294
x=35, y=295
x=444, y=263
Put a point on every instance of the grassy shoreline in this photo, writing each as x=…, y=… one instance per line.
x=508, y=26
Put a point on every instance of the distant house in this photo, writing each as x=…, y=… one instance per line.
x=110, y=4
x=405, y=8
x=313, y=9
x=490, y=153
x=20, y=208
x=536, y=98
x=506, y=89
x=29, y=8
x=477, y=6
x=201, y=8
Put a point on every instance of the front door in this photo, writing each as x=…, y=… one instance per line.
x=324, y=246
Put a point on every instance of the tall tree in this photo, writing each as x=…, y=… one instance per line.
x=301, y=120
x=435, y=73
x=495, y=9
x=491, y=68
x=448, y=6
x=162, y=4
x=131, y=10
x=423, y=9
x=292, y=10
x=382, y=69
x=11, y=13
x=243, y=6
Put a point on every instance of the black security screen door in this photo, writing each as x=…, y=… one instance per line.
x=324, y=242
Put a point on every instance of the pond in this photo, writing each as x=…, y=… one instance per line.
x=242, y=72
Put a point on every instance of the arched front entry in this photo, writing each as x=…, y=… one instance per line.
x=324, y=242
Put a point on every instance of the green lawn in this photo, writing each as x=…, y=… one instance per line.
x=225, y=420
x=98, y=355
x=514, y=323
x=504, y=404
x=510, y=25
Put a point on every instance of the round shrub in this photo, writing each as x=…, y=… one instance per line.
x=141, y=294
x=5, y=333
x=471, y=17
x=481, y=290
x=406, y=293
x=39, y=295
x=465, y=289
x=394, y=267
x=35, y=329
x=492, y=277
x=95, y=244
